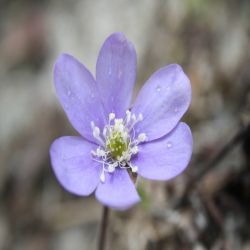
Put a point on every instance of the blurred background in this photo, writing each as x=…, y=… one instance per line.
x=210, y=39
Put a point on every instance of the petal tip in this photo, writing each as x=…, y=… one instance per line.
x=62, y=57
x=60, y=62
x=52, y=147
x=176, y=66
x=177, y=69
x=118, y=36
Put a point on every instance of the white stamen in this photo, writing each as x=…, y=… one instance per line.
x=133, y=117
x=102, y=177
x=104, y=132
x=128, y=116
x=111, y=116
x=118, y=143
x=111, y=168
x=142, y=137
x=134, y=150
x=96, y=132
x=140, y=117
x=100, y=152
x=125, y=136
x=134, y=169
x=93, y=153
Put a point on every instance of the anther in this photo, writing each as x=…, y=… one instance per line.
x=111, y=116
x=96, y=132
x=134, y=169
x=111, y=168
x=102, y=177
x=100, y=152
x=104, y=132
x=142, y=137
x=134, y=150
x=140, y=117
x=128, y=116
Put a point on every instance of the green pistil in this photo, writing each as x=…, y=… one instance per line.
x=117, y=145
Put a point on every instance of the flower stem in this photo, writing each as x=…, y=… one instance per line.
x=103, y=229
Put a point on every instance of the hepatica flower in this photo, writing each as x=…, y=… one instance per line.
x=117, y=140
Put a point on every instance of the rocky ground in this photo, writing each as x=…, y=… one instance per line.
x=205, y=208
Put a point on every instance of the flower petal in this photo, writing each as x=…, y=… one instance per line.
x=162, y=101
x=167, y=157
x=73, y=165
x=118, y=190
x=76, y=90
x=116, y=73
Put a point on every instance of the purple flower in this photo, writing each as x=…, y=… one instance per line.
x=117, y=141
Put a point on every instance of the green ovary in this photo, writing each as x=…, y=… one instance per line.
x=117, y=145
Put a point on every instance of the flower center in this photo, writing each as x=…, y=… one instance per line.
x=117, y=143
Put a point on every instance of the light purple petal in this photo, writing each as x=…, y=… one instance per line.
x=166, y=157
x=116, y=73
x=118, y=190
x=73, y=165
x=76, y=90
x=162, y=101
